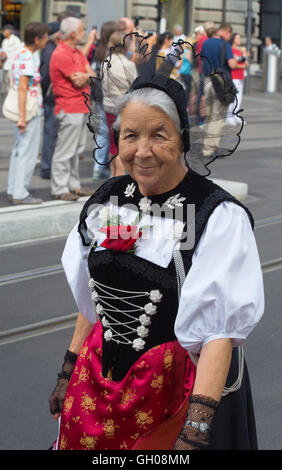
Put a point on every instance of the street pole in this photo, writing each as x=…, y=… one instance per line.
x=223, y=11
x=186, y=17
x=249, y=42
x=1, y=13
x=159, y=8
x=44, y=11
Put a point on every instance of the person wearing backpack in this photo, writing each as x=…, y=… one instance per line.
x=215, y=60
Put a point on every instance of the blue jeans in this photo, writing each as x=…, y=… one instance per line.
x=23, y=158
x=102, y=139
x=49, y=139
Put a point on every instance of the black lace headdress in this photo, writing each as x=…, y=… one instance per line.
x=155, y=69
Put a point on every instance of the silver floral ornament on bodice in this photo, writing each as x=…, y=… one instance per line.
x=175, y=201
x=145, y=204
x=129, y=190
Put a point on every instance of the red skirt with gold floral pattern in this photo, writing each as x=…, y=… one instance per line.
x=134, y=413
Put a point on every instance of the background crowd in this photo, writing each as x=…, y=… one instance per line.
x=53, y=66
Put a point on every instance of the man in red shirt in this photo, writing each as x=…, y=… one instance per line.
x=69, y=73
x=200, y=38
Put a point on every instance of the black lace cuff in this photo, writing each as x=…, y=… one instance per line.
x=70, y=357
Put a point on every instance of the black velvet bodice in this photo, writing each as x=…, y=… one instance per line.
x=125, y=271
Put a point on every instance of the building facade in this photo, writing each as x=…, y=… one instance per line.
x=271, y=20
x=155, y=15
x=192, y=13
x=164, y=14
x=20, y=13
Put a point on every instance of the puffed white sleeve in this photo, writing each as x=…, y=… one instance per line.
x=74, y=261
x=222, y=295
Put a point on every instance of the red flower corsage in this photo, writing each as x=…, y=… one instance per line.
x=121, y=237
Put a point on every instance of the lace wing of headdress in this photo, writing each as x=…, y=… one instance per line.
x=214, y=120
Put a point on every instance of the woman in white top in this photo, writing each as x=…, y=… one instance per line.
x=26, y=81
x=166, y=275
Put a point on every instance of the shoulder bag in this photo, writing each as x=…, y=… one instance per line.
x=11, y=109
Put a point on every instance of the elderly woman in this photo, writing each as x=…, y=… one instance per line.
x=162, y=313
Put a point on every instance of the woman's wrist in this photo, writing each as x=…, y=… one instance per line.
x=196, y=431
x=71, y=356
x=82, y=330
x=70, y=359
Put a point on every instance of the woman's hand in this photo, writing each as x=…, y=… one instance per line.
x=56, y=399
x=182, y=444
x=212, y=370
x=195, y=434
x=21, y=124
x=82, y=329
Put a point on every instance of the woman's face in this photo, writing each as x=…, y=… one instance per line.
x=40, y=43
x=150, y=148
x=167, y=43
x=237, y=40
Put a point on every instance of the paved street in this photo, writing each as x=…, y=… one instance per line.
x=35, y=295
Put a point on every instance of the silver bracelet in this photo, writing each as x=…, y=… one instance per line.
x=203, y=427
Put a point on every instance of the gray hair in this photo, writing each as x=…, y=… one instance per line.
x=178, y=27
x=199, y=29
x=149, y=97
x=69, y=25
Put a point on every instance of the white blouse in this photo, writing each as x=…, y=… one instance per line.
x=222, y=295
